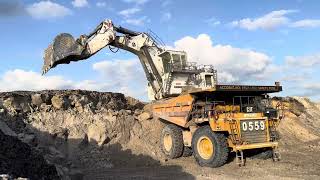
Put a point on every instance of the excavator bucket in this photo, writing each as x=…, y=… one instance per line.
x=63, y=50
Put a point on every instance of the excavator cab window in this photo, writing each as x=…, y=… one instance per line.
x=176, y=61
x=166, y=64
x=183, y=61
x=208, y=80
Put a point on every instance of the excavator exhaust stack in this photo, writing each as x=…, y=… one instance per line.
x=63, y=50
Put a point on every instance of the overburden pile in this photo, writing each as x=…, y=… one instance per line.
x=71, y=133
x=74, y=130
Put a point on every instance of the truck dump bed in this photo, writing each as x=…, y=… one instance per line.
x=242, y=89
x=177, y=109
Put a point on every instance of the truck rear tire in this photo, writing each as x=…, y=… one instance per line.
x=172, y=141
x=209, y=148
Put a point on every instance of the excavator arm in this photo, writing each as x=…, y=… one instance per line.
x=167, y=71
x=66, y=49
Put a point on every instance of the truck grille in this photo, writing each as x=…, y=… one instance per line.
x=253, y=131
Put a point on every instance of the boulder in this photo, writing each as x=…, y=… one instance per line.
x=137, y=112
x=17, y=104
x=60, y=102
x=144, y=116
x=36, y=99
x=97, y=132
x=137, y=130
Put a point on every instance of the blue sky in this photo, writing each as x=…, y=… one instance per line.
x=249, y=42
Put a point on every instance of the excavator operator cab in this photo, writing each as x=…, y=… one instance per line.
x=182, y=74
x=173, y=60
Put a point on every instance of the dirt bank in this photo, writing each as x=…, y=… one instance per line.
x=93, y=135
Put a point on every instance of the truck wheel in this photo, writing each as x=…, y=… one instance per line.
x=187, y=151
x=172, y=141
x=209, y=149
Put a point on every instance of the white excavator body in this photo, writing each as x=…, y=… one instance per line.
x=169, y=73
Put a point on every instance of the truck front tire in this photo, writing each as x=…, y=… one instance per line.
x=172, y=141
x=209, y=148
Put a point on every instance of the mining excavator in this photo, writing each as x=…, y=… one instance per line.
x=202, y=117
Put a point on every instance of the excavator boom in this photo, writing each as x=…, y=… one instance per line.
x=65, y=48
x=167, y=71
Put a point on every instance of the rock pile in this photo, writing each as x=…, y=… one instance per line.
x=55, y=134
x=71, y=128
x=19, y=160
x=301, y=120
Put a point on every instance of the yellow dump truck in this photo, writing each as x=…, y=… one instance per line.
x=214, y=122
x=203, y=118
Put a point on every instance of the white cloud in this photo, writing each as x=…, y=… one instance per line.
x=28, y=80
x=166, y=3
x=312, y=23
x=80, y=3
x=269, y=21
x=129, y=12
x=101, y=4
x=136, y=1
x=119, y=69
x=166, y=16
x=311, y=89
x=137, y=21
x=47, y=10
x=315, y=86
x=269, y=72
x=295, y=77
x=213, y=22
x=92, y=85
x=303, y=61
x=125, y=76
x=233, y=64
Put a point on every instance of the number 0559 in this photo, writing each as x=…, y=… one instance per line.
x=252, y=125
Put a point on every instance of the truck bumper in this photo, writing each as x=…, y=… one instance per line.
x=255, y=146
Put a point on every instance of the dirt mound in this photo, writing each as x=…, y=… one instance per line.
x=71, y=128
x=19, y=160
x=301, y=120
x=93, y=135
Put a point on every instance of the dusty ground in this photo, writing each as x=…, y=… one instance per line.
x=91, y=135
x=299, y=161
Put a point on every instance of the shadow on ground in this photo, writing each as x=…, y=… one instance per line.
x=81, y=159
x=110, y=161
